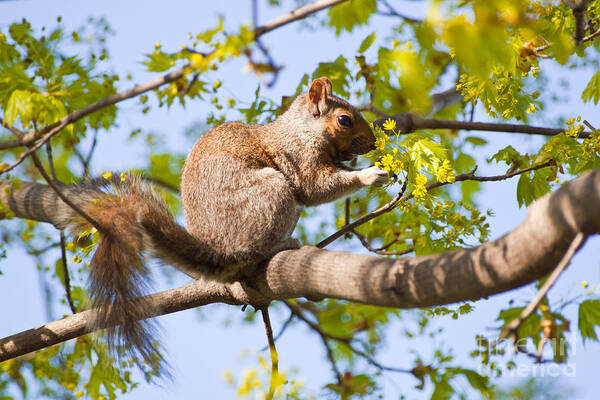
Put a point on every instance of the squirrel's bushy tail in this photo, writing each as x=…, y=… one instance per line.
x=132, y=220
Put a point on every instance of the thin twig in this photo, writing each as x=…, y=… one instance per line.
x=512, y=327
x=383, y=252
x=188, y=87
x=63, y=254
x=347, y=228
x=38, y=252
x=345, y=340
x=284, y=327
x=88, y=159
x=273, y=351
x=391, y=12
x=50, y=160
x=591, y=36
x=400, y=198
x=298, y=13
x=407, y=123
x=589, y=125
x=63, y=251
x=298, y=313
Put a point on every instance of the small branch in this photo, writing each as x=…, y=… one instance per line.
x=36, y=252
x=298, y=13
x=345, y=340
x=512, y=327
x=589, y=125
x=331, y=358
x=407, y=123
x=50, y=160
x=63, y=251
x=188, y=87
x=382, y=210
x=63, y=254
x=374, y=110
x=273, y=352
x=591, y=36
x=284, y=327
x=391, y=12
x=399, y=198
x=88, y=159
x=381, y=251
x=579, y=9
x=47, y=132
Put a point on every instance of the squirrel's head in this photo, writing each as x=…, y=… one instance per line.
x=348, y=131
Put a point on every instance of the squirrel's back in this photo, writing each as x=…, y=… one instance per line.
x=234, y=197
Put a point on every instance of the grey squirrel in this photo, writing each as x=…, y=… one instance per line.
x=243, y=187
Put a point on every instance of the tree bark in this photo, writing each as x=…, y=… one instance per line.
x=523, y=255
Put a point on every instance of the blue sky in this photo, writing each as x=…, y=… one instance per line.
x=203, y=345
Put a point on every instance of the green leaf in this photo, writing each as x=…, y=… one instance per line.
x=158, y=61
x=476, y=380
x=347, y=15
x=589, y=318
x=366, y=43
x=19, y=104
x=337, y=72
x=442, y=390
x=509, y=314
x=476, y=141
x=508, y=154
x=592, y=90
x=530, y=188
x=562, y=48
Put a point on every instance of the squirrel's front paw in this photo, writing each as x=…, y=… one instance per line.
x=373, y=176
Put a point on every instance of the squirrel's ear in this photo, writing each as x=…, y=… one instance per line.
x=317, y=95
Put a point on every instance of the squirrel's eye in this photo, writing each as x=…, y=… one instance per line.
x=345, y=121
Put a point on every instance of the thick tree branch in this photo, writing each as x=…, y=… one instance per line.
x=526, y=254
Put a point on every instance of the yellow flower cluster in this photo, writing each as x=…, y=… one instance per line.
x=445, y=173
x=390, y=163
x=574, y=129
x=420, y=189
x=389, y=125
x=380, y=143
